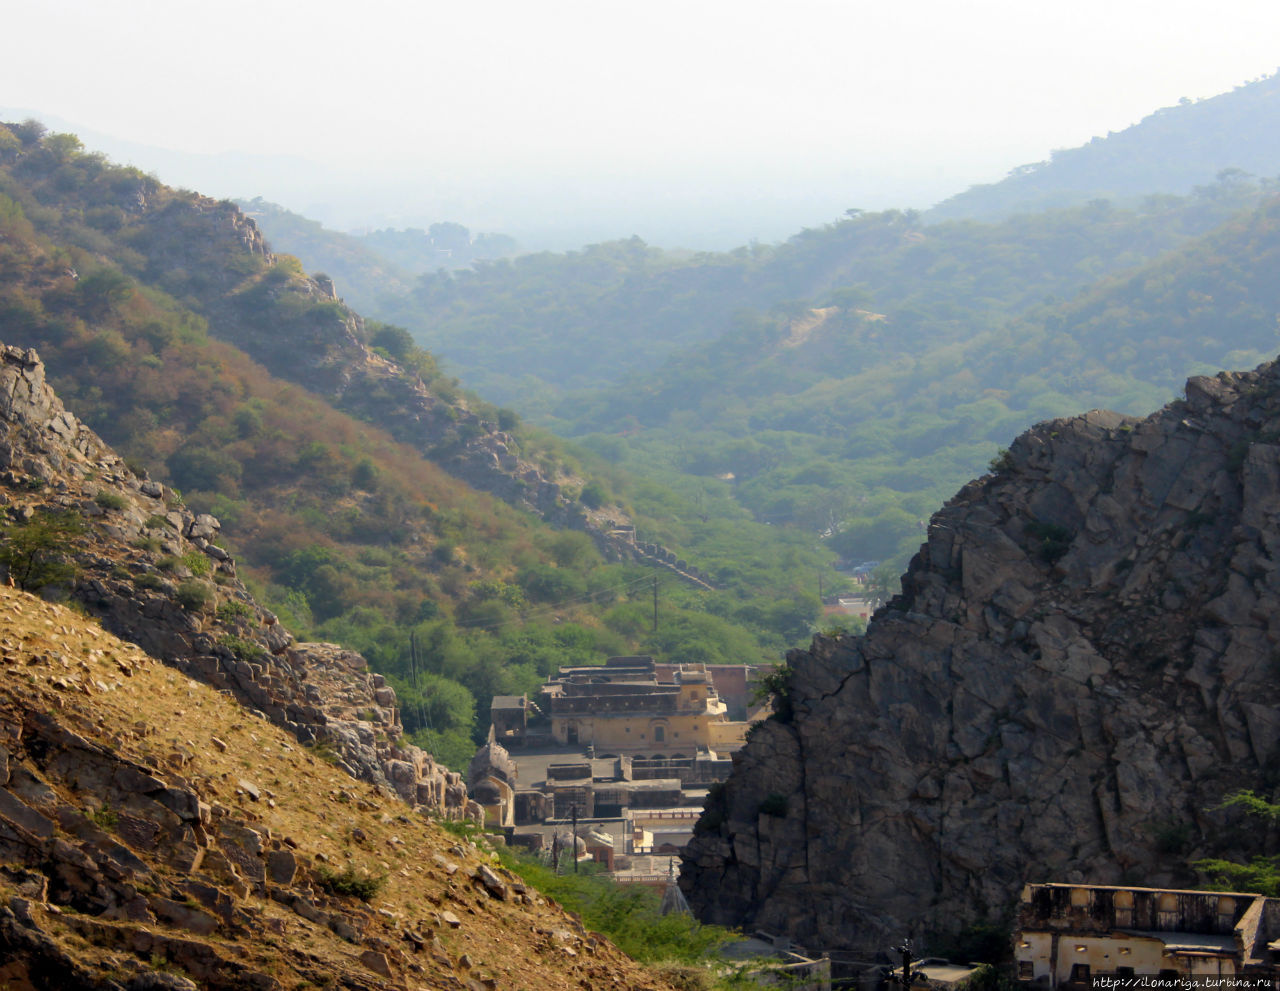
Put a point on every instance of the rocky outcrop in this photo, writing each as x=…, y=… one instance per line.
x=155, y=574
x=1081, y=663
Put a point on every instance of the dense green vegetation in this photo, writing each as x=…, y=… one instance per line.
x=370, y=268
x=348, y=535
x=847, y=382
x=676, y=945
x=841, y=422
x=526, y=330
x=362, y=275
x=628, y=914
x=1261, y=873
x=760, y=410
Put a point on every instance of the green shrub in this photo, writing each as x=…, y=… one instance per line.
x=150, y=580
x=194, y=595
x=245, y=650
x=594, y=495
x=350, y=884
x=155, y=521
x=1172, y=837
x=1001, y=463
x=38, y=553
x=197, y=562
x=110, y=500
x=234, y=610
x=1052, y=540
x=629, y=915
x=776, y=686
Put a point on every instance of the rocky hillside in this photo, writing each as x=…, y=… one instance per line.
x=80, y=524
x=1081, y=663
x=300, y=331
x=137, y=238
x=154, y=834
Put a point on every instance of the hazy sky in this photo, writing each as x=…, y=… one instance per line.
x=747, y=118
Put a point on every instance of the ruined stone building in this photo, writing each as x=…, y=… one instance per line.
x=1076, y=935
x=509, y=716
x=491, y=779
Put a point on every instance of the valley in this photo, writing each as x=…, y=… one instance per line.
x=421, y=552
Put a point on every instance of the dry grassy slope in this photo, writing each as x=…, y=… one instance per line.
x=133, y=845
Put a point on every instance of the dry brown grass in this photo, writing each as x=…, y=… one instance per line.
x=55, y=661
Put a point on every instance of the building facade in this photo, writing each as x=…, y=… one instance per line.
x=623, y=707
x=1078, y=936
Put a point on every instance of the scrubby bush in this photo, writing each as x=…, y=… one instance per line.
x=110, y=500
x=774, y=805
x=349, y=883
x=194, y=595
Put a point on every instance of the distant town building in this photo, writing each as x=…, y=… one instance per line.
x=509, y=715
x=626, y=750
x=623, y=707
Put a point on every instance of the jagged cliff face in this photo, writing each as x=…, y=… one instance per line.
x=1082, y=661
x=154, y=574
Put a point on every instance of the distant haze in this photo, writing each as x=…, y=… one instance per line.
x=702, y=124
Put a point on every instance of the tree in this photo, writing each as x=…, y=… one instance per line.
x=38, y=553
x=63, y=146
x=101, y=291
x=882, y=584
x=1262, y=872
x=396, y=341
x=29, y=132
x=449, y=236
x=594, y=495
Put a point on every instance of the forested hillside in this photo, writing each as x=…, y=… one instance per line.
x=1172, y=150
x=525, y=330
x=856, y=423
x=133, y=293
x=824, y=383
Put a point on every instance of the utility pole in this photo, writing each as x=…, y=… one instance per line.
x=907, y=975
x=655, y=604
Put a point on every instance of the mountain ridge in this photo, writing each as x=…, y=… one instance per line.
x=1170, y=151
